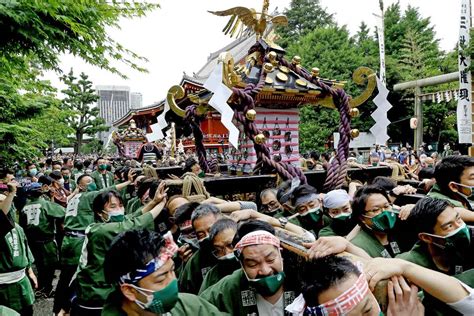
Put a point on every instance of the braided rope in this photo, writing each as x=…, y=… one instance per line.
x=337, y=170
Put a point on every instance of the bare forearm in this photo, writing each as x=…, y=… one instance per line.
x=228, y=207
x=7, y=203
x=157, y=209
x=123, y=185
x=451, y=290
x=353, y=249
x=466, y=215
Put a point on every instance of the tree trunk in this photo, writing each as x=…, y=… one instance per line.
x=79, y=136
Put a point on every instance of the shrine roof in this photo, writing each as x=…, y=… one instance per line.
x=150, y=109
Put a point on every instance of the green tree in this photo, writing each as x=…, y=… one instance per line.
x=34, y=35
x=303, y=17
x=79, y=99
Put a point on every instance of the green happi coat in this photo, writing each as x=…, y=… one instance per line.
x=219, y=271
x=187, y=304
x=79, y=215
x=93, y=289
x=372, y=245
x=435, y=193
x=15, y=255
x=99, y=179
x=336, y=228
x=194, y=271
x=5, y=311
x=39, y=217
x=234, y=295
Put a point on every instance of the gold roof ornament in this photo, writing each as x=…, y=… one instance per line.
x=245, y=21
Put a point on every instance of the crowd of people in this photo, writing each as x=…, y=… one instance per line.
x=122, y=241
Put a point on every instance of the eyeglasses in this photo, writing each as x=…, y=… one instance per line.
x=221, y=251
x=377, y=210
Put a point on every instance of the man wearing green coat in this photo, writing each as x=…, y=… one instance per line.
x=39, y=217
x=337, y=205
x=15, y=271
x=454, y=180
x=446, y=243
x=140, y=263
x=221, y=235
x=102, y=178
x=91, y=287
x=261, y=286
x=79, y=215
x=196, y=268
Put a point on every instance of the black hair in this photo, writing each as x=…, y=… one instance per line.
x=385, y=183
x=424, y=215
x=302, y=190
x=189, y=163
x=323, y=273
x=87, y=163
x=65, y=168
x=56, y=175
x=44, y=179
x=49, y=161
x=204, y=210
x=56, y=162
x=220, y=226
x=326, y=156
x=314, y=154
x=426, y=173
x=129, y=251
x=97, y=160
x=78, y=165
x=361, y=196
x=251, y=226
x=66, y=159
x=102, y=199
x=184, y=212
x=144, y=186
x=451, y=169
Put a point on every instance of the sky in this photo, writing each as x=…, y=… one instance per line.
x=181, y=35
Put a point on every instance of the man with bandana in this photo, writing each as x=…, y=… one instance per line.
x=221, y=235
x=202, y=218
x=261, y=286
x=79, y=215
x=92, y=289
x=335, y=286
x=40, y=218
x=445, y=241
x=102, y=178
x=454, y=180
x=141, y=263
x=337, y=205
x=375, y=215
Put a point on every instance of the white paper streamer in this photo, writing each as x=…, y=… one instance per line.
x=464, y=108
x=219, y=102
x=161, y=123
x=379, y=130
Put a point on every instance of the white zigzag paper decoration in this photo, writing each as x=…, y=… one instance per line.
x=379, y=130
x=219, y=102
x=161, y=123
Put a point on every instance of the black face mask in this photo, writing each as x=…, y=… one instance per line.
x=205, y=244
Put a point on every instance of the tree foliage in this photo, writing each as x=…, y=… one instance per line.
x=79, y=101
x=412, y=52
x=34, y=34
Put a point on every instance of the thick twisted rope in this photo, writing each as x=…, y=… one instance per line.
x=247, y=102
x=193, y=119
x=337, y=170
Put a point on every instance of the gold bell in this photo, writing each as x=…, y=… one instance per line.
x=354, y=133
x=272, y=57
x=296, y=60
x=268, y=67
x=315, y=72
x=260, y=139
x=251, y=115
x=354, y=112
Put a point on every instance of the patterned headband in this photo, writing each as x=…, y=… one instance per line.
x=259, y=237
x=167, y=252
x=345, y=302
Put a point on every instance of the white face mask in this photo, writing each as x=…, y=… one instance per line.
x=61, y=181
x=228, y=256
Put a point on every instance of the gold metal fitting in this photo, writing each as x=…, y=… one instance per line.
x=272, y=58
x=354, y=112
x=251, y=115
x=268, y=67
x=315, y=72
x=260, y=139
x=354, y=133
x=296, y=60
x=282, y=77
